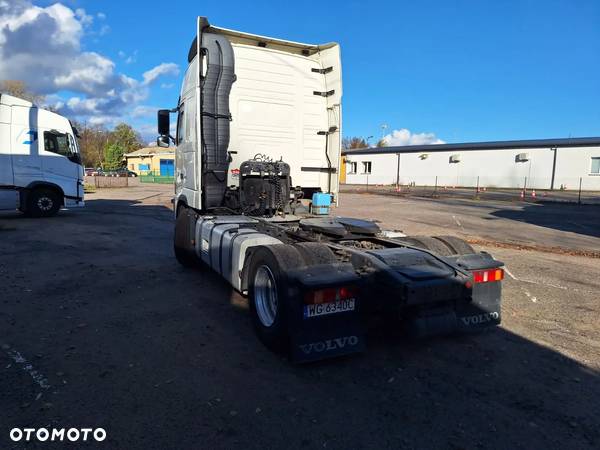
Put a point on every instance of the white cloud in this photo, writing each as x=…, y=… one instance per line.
x=166, y=85
x=42, y=47
x=128, y=59
x=162, y=69
x=101, y=16
x=406, y=137
x=89, y=75
x=84, y=19
x=148, y=131
x=144, y=111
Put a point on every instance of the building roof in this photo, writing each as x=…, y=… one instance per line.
x=468, y=146
x=151, y=151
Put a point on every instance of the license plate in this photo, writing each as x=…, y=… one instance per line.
x=322, y=309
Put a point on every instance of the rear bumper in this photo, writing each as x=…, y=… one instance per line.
x=435, y=307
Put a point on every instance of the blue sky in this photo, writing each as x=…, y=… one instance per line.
x=460, y=70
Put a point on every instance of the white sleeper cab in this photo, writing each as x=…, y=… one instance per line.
x=40, y=164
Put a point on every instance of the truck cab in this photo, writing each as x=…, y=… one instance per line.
x=247, y=97
x=40, y=162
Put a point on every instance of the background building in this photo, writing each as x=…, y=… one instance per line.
x=537, y=164
x=155, y=160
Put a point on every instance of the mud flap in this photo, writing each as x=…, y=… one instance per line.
x=432, y=324
x=477, y=309
x=326, y=336
x=321, y=338
x=484, y=309
x=481, y=311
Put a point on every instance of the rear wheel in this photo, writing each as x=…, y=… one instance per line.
x=315, y=253
x=269, y=298
x=440, y=245
x=427, y=243
x=457, y=245
x=42, y=203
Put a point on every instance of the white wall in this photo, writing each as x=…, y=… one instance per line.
x=495, y=168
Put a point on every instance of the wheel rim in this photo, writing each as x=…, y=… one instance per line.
x=265, y=295
x=45, y=203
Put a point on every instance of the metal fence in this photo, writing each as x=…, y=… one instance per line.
x=156, y=177
x=107, y=182
x=582, y=190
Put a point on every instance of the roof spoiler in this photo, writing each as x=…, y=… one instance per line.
x=202, y=25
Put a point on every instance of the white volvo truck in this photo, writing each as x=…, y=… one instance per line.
x=40, y=164
x=258, y=137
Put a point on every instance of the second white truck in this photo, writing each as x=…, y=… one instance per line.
x=40, y=163
x=258, y=152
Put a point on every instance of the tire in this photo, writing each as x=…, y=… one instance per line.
x=457, y=245
x=270, y=304
x=314, y=253
x=184, y=252
x=42, y=203
x=428, y=243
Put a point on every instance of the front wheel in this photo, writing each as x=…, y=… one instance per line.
x=182, y=241
x=42, y=203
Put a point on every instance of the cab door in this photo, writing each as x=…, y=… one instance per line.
x=6, y=165
x=60, y=160
x=8, y=195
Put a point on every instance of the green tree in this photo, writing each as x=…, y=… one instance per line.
x=381, y=143
x=113, y=156
x=126, y=137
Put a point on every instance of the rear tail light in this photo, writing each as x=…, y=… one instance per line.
x=329, y=295
x=488, y=275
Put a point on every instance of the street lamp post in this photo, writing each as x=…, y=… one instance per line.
x=383, y=128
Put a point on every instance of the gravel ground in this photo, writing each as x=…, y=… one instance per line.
x=100, y=327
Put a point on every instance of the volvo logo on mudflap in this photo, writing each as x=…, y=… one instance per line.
x=329, y=344
x=480, y=318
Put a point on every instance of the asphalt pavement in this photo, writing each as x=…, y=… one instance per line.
x=100, y=327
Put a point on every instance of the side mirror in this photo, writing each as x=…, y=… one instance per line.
x=75, y=158
x=164, y=122
x=162, y=141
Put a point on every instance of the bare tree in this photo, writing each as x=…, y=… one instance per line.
x=92, y=141
x=354, y=142
x=96, y=140
x=18, y=88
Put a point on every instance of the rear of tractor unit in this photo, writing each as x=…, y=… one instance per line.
x=257, y=160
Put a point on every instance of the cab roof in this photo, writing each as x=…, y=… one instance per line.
x=9, y=100
x=254, y=39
